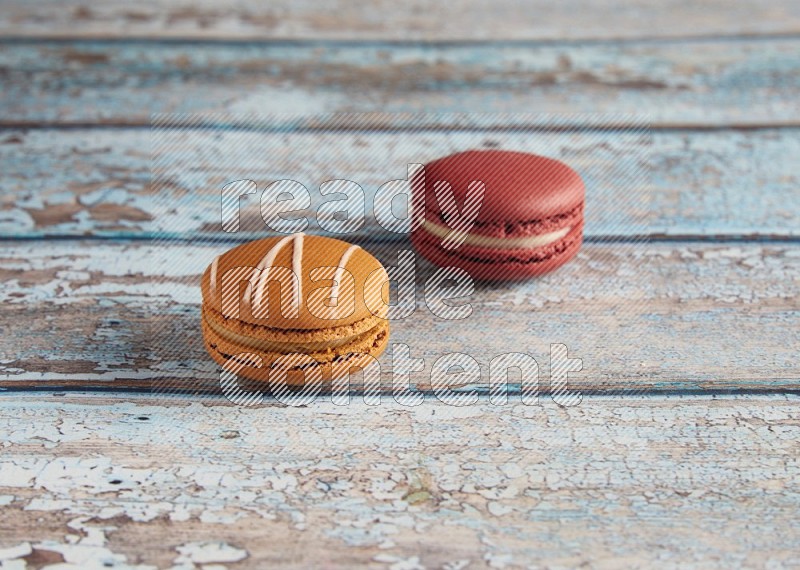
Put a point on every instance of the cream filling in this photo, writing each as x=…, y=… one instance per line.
x=280, y=347
x=490, y=242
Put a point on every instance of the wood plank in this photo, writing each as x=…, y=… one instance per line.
x=385, y=20
x=724, y=184
x=616, y=482
x=662, y=317
x=713, y=82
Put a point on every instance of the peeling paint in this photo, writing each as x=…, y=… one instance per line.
x=572, y=20
x=109, y=192
x=709, y=475
x=683, y=81
x=207, y=552
x=123, y=317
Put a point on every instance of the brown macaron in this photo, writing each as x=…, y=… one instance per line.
x=308, y=308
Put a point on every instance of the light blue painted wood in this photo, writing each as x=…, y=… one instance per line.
x=715, y=184
x=665, y=317
x=680, y=82
x=386, y=20
x=687, y=482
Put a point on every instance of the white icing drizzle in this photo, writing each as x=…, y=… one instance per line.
x=297, y=267
x=264, y=266
x=337, y=277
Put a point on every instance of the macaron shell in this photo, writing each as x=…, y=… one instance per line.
x=317, y=252
x=371, y=343
x=519, y=187
x=500, y=264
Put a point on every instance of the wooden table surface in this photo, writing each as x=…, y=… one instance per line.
x=685, y=309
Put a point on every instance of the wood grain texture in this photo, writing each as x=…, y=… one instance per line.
x=149, y=480
x=663, y=317
x=385, y=20
x=706, y=82
x=694, y=482
x=676, y=184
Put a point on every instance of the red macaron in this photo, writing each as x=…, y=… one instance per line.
x=529, y=216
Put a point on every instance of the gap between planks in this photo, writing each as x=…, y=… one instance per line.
x=676, y=127
x=71, y=38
